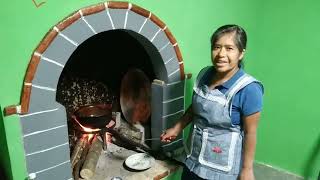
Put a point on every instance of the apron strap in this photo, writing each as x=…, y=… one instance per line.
x=242, y=82
x=200, y=76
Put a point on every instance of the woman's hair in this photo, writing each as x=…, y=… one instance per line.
x=240, y=36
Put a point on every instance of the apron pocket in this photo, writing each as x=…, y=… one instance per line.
x=218, y=151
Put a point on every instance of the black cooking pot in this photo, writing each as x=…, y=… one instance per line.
x=94, y=116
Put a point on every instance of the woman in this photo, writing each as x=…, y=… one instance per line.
x=225, y=110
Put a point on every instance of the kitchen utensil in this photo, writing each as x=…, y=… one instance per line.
x=135, y=96
x=139, y=161
x=94, y=116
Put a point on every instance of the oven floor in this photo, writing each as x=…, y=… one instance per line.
x=111, y=164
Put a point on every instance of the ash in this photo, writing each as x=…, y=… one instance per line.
x=73, y=92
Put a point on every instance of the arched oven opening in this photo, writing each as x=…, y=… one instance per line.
x=105, y=87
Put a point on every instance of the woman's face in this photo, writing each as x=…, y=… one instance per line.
x=225, y=54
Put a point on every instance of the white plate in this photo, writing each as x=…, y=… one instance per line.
x=139, y=161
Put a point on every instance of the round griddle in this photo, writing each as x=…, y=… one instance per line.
x=135, y=96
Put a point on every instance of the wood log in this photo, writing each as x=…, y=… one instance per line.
x=78, y=165
x=78, y=149
x=89, y=166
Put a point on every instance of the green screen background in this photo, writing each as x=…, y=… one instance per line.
x=282, y=52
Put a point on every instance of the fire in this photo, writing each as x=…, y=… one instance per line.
x=90, y=136
x=108, y=137
x=86, y=129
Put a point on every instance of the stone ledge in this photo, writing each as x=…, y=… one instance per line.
x=111, y=164
x=267, y=172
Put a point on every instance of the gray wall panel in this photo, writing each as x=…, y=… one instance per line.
x=46, y=140
x=134, y=21
x=59, y=50
x=47, y=74
x=99, y=21
x=156, y=59
x=156, y=113
x=160, y=40
x=41, y=100
x=174, y=91
x=173, y=107
x=48, y=159
x=173, y=68
x=168, y=53
x=40, y=122
x=149, y=29
x=118, y=17
x=79, y=31
x=175, y=77
x=62, y=172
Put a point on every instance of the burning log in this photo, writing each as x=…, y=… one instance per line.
x=89, y=166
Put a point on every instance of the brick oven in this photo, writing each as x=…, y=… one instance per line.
x=100, y=43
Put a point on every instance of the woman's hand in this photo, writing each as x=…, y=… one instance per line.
x=247, y=174
x=172, y=133
x=169, y=135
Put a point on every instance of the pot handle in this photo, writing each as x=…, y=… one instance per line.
x=73, y=117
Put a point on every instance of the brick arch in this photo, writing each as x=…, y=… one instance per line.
x=59, y=43
x=44, y=121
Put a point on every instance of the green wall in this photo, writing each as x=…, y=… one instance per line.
x=282, y=47
x=3, y=148
x=287, y=60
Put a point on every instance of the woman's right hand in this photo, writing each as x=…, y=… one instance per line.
x=169, y=135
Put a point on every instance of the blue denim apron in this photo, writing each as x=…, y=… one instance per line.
x=216, y=144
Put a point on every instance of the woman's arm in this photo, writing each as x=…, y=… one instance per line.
x=172, y=133
x=250, y=139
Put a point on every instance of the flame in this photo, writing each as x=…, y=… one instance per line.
x=86, y=129
x=108, y=137
x=90, y=136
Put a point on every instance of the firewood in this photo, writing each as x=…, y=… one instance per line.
x=78, y=149
x=89, y=166
x=78, y=165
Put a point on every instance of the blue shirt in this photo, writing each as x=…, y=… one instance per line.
x=245, y=102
